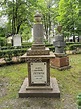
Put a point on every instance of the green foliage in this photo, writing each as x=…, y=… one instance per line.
x=73, y=46
x=2, y=37
x=8, y=54
x=79, y=19
x=68, y=15
x=15, y=76
x=26, y=32
x=49, y=12
x=2, y=32
x=79, y=99
x=2, y=41
x=19, y=12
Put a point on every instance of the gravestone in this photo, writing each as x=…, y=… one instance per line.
x=39, y=83
x=61, y=60
x=16, y=40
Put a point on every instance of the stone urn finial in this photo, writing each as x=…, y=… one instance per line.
x=59, y=28
x=37, y=17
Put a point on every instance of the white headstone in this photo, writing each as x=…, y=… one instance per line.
x=17, y=40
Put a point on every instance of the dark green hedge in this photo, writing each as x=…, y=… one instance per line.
x=12, y=47
x=8, y=54
x=2, y=41
x=73, y=46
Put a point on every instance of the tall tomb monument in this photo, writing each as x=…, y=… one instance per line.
x=38, y=83
x=61, y=60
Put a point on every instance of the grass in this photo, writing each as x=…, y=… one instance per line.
x=11, y=78
x=70, y=80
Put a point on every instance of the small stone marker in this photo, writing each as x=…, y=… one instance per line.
x=39, y=83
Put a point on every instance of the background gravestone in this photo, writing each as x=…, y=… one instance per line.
x=59, y=44
x=61, y=60
x=16, y=40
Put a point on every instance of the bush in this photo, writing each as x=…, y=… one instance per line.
x=2, y=41
x=79, y=99
x=8, y=54
x=26, y=44
x=74, y=46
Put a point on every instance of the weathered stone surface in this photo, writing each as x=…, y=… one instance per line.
x=38, y=57
x=59, y=44
x=33, y=52
x=59, y=38
x=52, y=91
x=38, y=47
x=16, y=40
x=48, y=72
x=38, y=34
x=60, y=62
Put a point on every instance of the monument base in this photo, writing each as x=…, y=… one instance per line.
x=40, y=91
x=60, y=62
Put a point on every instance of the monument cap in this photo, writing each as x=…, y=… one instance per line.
x=37, y=16
x=59, y=28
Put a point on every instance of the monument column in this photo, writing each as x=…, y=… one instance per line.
x=38, y=35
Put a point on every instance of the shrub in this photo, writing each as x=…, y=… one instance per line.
x=74, y=46
x=2, y=41
x=79, y=99
x=8, y=54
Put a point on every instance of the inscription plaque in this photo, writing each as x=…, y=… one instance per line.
x=39, y=73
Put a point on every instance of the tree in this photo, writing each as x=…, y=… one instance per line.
x=79, y=19
x=18, y=12
x=68, y=15
x=2, y=37
x=48, y=9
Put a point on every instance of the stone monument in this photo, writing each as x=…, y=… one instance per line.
x=39, y=83
x=61, y=60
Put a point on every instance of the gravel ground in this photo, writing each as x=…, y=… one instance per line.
x=38, y=103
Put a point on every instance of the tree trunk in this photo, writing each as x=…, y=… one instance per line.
x=13, y=20
x=73, y=38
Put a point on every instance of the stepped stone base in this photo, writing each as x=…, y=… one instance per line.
x=40, y=91
x=38, y=51
x=61, y=68
x=60, y=63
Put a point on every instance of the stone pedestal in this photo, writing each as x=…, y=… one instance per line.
x=60, y=63
x=41, y=91
x=61, y=60
x=39, y=83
